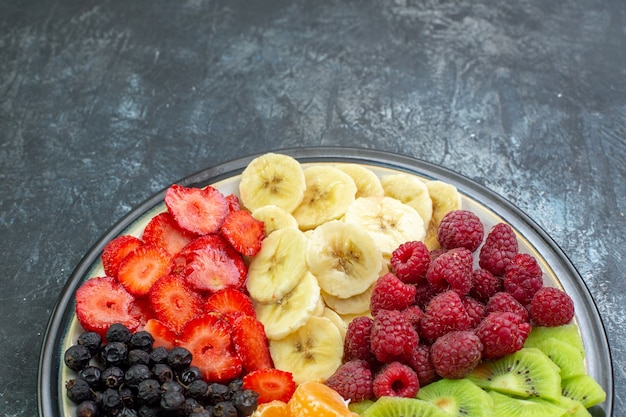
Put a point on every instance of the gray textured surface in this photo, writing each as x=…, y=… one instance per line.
x=104, y=103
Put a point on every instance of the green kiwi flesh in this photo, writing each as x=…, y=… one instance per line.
x=525, y=373
x=359, y=407
x=458, y=397
x=585, y=389
x=574, y=408
x=566, y=356
x=505, y=406
x=567, y=333
x=403, y=407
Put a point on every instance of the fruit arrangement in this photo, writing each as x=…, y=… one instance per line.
x=316, y=287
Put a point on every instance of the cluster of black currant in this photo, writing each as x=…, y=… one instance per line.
x=128, y=377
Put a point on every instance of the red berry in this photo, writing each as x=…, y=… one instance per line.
x=163, y=231
x=141, y=268
x=413, y=315
x=396, y=380
x=456, y=354
x=503, y=301
x=230, y=302
x=234, y=203
x=410, y=261
x=452, y=269
x=390, y=293
x=475, y=310
x=551, y=307
x=353, y=381
x=499, y=249
x=174, y=303
x=523, y=278
x=251, y=343
x=460, y=229
x=502, y=333
x=198, y=210
x=163, y=335
x=270, y=384
x=208, y=338
x=116, y=250
x=421, y=363
x=485, y=284
x=392, y=336
x=424, y=293
x=445, y=312
x=358, y=340
x=243, y=232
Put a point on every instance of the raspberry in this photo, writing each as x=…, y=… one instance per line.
x=357, y=340
x=392, y=336
x=505, y=302
x=396, y=380
x=523, y=278
x=499, y=248
x=551, y=307
x=410, y=261
x=413, y=315
x=460, y=229
x=485, y=284
x=353, y=381
x=390, y=293
x=444, y=313
x=452, y=269
x=436, y=253
x=475, y=310
x=502, y=333
x=423, y=294
x=456, y=354
x=420, y=361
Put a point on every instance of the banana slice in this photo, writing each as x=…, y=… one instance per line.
x=343, y=257
x=320, y=307
x=272, y=179
x=279, y=265
x=388, y=221
x=357, y=304
x=336, y=320
x=311, y=353
x=274, y=218
x=328, y=194
x=292, y=311
x=367, y=183
x=410, y=190
x=445, y=198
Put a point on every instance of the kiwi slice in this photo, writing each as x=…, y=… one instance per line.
x=566, y=356
x=403, y=407
x=505, y=405
x=574, y=408
x=585, y=389
x=359, y=407
x=567, y=333
x=458, y=397
x=525, y=373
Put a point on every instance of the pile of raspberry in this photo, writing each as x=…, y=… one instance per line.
x=439, y=313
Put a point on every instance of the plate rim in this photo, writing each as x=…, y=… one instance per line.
x=592, y=328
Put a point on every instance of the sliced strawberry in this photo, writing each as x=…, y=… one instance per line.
x=251, y=344
x=208, y=338
x=162, y=335
x=199, y=210
x=270, y=384
x=116, y=250
x=215, y=266
x=142, y=267
x=234, y=203
x=101, y=302
x=230, y=302
x=243, y=232
x=174, y=303
x=163, y=231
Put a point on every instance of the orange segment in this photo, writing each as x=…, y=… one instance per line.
x=274, y=408
x=318, y=400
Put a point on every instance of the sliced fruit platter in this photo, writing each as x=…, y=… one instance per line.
x=325, y=281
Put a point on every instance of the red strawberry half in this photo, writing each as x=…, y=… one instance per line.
x=199, y=210
x=271, y=384
x=251, y=343
x=101, y=302
x=215, y=266
x=142, y=267
x=116, y=250
x=230, y=302
x=163, y=231
x=208, y=338
x=243, y=231
x=173, y=302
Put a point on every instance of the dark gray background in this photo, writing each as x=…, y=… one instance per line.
x=104, y=103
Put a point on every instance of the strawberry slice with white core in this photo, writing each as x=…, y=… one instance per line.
x=163, y=336
x=173, y=302
x=230, y=302
x=163, y=231
x=116, y=250
x=199, y=210
x=142, y=267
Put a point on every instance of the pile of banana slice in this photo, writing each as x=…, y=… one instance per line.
x=330, y=232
